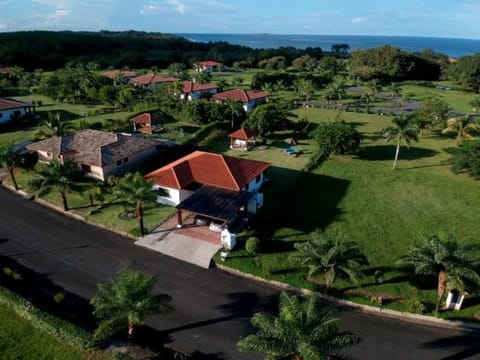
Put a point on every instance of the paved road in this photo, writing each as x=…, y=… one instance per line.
x=212, y=307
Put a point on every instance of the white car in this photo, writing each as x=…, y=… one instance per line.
x=216, y=226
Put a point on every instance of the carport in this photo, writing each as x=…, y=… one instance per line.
x=216, y=204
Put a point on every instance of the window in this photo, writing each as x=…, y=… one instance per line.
x=125, y=160
x=258, y=178
x=119, y=162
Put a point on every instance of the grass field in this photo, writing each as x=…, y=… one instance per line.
x=363, y=199
x=20, y=340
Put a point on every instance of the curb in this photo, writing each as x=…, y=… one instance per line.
x=377, y=311
x=66, y=213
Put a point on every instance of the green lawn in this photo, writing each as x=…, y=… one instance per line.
x=20, y=340
x=384, y=210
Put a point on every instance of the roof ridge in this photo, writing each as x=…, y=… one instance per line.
x=223, y=157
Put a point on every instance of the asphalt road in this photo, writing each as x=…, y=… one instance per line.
x=212, y=308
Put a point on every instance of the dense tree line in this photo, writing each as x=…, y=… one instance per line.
x=50, y=50
x=466, y=73
x=388, y=63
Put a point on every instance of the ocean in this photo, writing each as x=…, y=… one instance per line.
x=448, y=46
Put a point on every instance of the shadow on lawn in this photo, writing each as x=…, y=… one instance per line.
x=307, y=202
x=387, y=152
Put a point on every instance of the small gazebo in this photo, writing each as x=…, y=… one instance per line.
x=146, y=123
x=242, y=139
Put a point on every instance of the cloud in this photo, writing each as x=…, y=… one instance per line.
x=158, y=7
x=3, y=27
x=177, y=6
x=359, y=20
x=152, y=9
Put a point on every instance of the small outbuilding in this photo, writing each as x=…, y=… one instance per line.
x=242, y=139
x=146, y=123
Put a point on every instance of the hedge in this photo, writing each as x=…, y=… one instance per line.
x=50, y=324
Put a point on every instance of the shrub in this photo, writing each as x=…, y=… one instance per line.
x=59, y=297
x=415, y=306
x=466, y=158
x=337, y=137
x=251, y=245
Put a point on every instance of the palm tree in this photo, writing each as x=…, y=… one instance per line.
x=326, y=254
x=454, y=264
x=404, y=129
x=462, y=127
x=59, y=176
x=369, y=97
x=8, y=160
x=302, y=330
x=53, y=126
x=236, y=110
x=125, y=301
x=134, y=190
x=394, y=89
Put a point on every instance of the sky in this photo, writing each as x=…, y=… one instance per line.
x=438, y=18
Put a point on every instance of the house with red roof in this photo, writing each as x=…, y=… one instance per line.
x=11, y=109
x=207, y=65
x=123, y=76
x=213, y=186
x=192, y=90
x=152, y=80
x=249, y=98
x=242, y=139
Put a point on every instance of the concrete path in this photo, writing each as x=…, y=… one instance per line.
x=185, y=248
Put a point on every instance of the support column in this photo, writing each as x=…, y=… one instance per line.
x=179, y=218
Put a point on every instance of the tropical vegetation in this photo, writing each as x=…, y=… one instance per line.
x=303, y=329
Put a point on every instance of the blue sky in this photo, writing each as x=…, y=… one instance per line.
x=442, y=18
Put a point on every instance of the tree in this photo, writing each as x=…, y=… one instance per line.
x=452, y=263
x=466, y=73
x=475, y=104
x=340, y=48
x=330, y=256
x=433, y=112
x=8, y=160
x=336, y=138
x=466, y=158
x=302, y=330
x=135, y=191
x=403, y=129
x=305, y=89
x=305, y=63
x=125, y=302
x=59, y=176
x=463, y=127
x=53, y=125
x=178, y=70
x=267, y=119
x=394, y=89
x=236, y=111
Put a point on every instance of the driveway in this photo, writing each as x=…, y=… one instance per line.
x=181, y=246
x=212, y=308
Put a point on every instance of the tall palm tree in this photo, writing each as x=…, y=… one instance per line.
x=135, y=191
x=330, y=256
x=59, y=176
x=236, y=110
x=8, y=160
x=302, y=330
x=125, y=301
x=462, y=127
x=454, y=264
x=403, y=129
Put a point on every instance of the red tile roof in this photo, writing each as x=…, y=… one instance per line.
x=211, y=169
x=112, y=74
x=152, y=79
x=4, y=70
x=190, y=86
x=147, y=118
x=208, y=63
x=240, y=95
x=242, y=134
x=6, y=104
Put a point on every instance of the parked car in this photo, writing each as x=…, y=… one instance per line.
x=216, y=226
